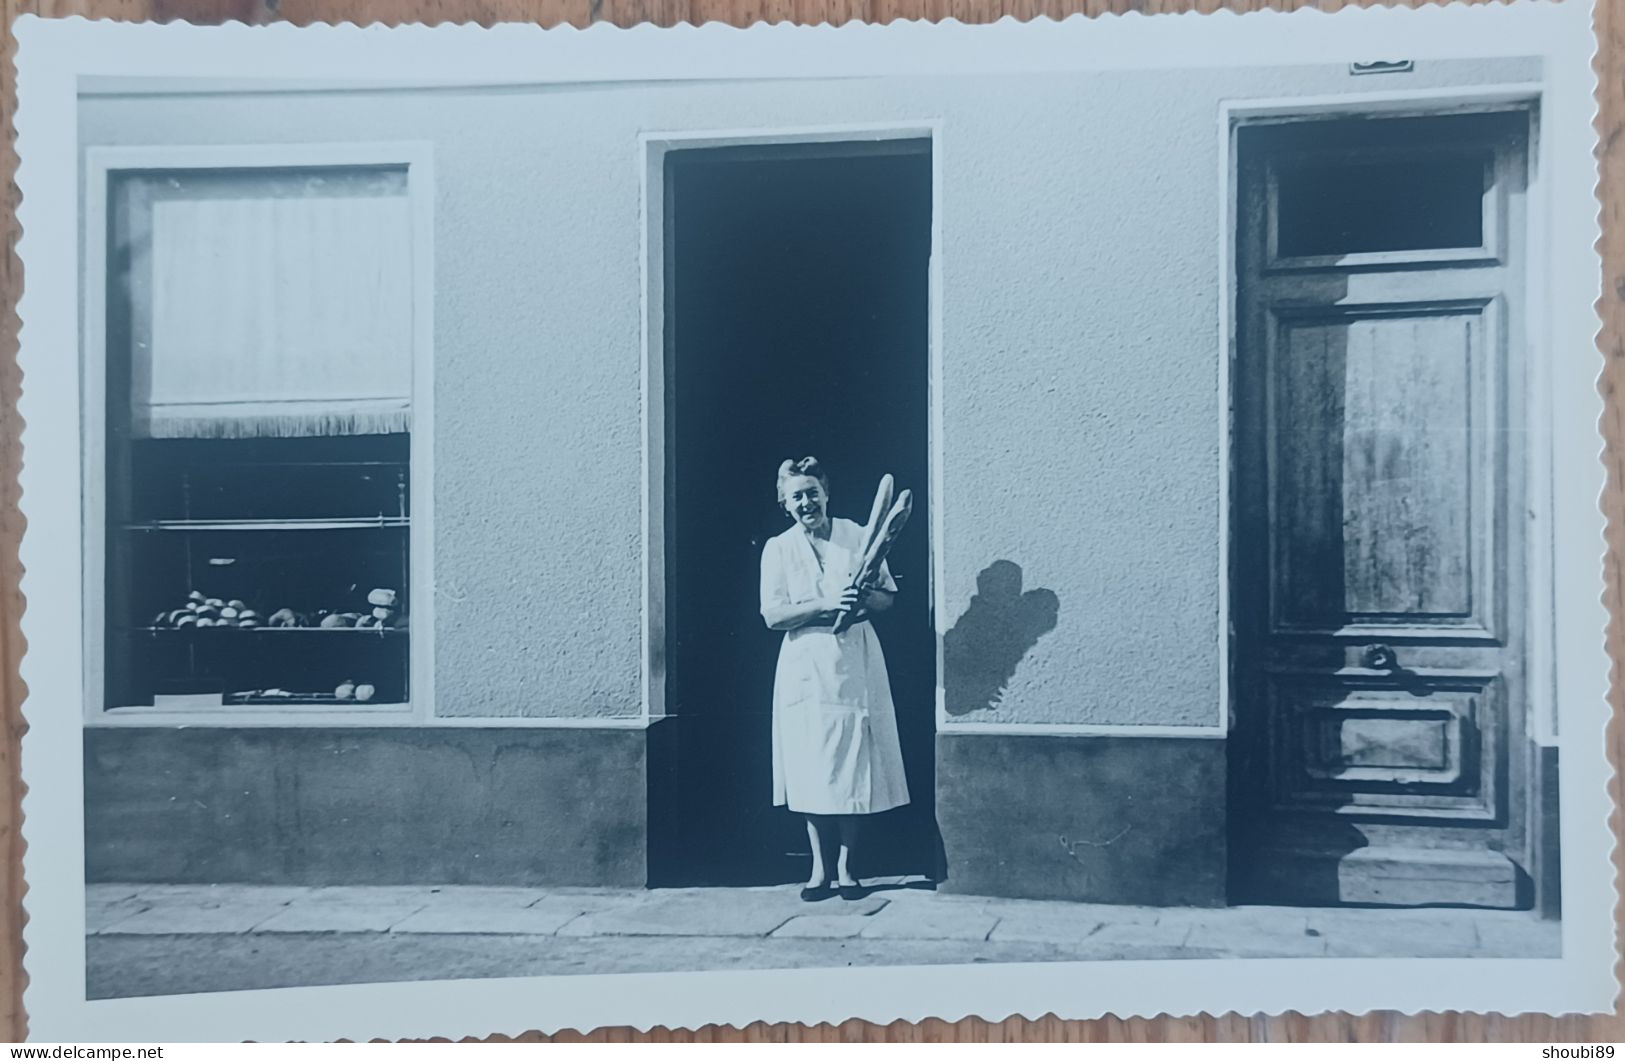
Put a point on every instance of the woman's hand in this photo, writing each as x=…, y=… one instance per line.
x=849, y=599
x=876, y=600
x=865, y=603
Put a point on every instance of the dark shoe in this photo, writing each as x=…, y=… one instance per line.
x=851, y=891
x=813, y=895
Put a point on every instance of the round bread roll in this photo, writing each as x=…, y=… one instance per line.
x=363, y=693
x=382, y=598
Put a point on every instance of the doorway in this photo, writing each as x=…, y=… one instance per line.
x=1378, y=753
x=797, y=303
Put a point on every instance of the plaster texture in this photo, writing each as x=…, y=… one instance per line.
x=1081, y=253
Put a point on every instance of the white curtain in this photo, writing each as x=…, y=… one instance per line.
x=270, y=306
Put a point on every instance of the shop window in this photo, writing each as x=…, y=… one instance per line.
x=259, y=402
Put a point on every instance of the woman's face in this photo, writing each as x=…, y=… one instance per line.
x=805, y=500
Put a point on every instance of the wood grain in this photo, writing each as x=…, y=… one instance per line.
x=1374, y=1027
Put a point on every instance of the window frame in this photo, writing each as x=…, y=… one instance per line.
x=101, y=166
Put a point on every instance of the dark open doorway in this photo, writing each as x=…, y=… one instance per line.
x=796, y=322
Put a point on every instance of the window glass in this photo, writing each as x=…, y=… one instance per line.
x=1333, y=207
x=259, y=439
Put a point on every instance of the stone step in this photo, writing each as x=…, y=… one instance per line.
x=1404, y=876
x=1380, y=875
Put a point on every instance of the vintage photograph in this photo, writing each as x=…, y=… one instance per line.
x=600, y=526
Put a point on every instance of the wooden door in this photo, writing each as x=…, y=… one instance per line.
x=1379, y=513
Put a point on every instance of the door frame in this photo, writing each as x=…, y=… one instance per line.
x=1541, y=675
x=652, y=149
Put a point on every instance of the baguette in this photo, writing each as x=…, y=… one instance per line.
x=877, y=512
x=874, y=555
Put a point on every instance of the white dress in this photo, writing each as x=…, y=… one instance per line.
x=835, y=748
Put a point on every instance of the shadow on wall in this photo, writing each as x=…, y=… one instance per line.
x=1002, y=624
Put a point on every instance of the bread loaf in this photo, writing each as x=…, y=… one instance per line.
x=874, y=557
x=877, y=512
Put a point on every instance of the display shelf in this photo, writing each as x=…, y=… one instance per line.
x=308, y=524
x=376, y=631
x=318, y=524
x=257, y=698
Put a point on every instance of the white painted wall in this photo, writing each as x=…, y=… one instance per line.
x=1080, y=353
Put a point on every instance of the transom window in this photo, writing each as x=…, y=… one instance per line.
x=1333, y=206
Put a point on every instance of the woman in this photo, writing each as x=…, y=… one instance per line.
x=835, y=751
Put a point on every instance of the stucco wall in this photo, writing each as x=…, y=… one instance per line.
x=1080, y=356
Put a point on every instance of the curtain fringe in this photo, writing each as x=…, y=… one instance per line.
x=288, y=424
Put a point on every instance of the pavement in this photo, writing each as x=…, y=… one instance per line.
x=157, y=939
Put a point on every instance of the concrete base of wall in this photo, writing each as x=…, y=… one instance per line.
x=1548, y=875
x=366, y=806
x=1094, y=819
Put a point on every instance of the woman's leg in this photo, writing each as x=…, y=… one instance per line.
x=849, y=840
x=818, y=875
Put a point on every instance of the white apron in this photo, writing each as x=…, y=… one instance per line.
x=835, y=748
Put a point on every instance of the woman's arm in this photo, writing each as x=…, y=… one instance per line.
x=779, y=612
x=782, y=615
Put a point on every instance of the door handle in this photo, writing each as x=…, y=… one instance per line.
x=1380, y=657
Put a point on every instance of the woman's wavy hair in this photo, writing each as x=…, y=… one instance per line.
x=792, y=469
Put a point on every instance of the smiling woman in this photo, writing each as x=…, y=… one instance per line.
x=835, y=749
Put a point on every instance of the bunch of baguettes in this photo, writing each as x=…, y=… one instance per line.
x=886, y=519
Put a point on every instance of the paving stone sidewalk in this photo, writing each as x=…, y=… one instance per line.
x=156, y=939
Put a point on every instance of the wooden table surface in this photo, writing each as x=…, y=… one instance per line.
x=1377, y=1027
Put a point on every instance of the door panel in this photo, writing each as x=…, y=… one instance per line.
x=1367, y=746
x=1376, y=566
x=1382, y=469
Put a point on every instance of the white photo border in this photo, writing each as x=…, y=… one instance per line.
x=57, y=59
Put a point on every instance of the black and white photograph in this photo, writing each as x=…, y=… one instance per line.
x=833, y=510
